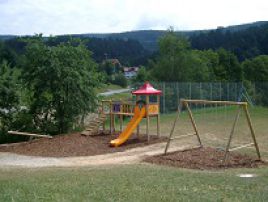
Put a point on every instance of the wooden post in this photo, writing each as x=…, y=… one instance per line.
x=231, y=134
x=158, y=116
x=102, y=112
x=111, y=116
x=164, y=98
x=173, y=127
x=121, y=116
x=138, y=127
x=193, y=122
x=147, y=118
x=252, y=131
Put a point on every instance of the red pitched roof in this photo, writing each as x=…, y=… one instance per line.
x=147, y=89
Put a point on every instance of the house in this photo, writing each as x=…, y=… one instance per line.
x=130, y=72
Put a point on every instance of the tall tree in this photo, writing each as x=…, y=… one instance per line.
x=171, y=64
x=61, y=81
x=228, y=69
x=256, y=69
x=178, y=62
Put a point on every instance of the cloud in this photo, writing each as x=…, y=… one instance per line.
x=84, y=16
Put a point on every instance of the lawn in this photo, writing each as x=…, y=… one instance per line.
x=132, y=183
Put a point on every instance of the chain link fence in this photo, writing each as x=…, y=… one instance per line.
x=254, y=93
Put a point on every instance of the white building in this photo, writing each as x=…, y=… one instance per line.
x=130, y=72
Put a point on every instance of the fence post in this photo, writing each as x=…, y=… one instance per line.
x=190, y=90
x=178, y=93
x=164, y=98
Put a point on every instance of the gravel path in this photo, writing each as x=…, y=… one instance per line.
x=130, y=156
x=112, y=92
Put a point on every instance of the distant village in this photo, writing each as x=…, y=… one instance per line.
x=115, y=65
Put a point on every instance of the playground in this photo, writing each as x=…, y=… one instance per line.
x=156, y=158
x=136, y=126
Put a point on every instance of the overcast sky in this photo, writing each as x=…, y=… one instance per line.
x=103, y=16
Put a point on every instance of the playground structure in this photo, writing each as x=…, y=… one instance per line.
x=141, y=108
x=148, y=110
x=241, y=106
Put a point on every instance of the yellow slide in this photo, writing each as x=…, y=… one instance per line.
x=138, y=115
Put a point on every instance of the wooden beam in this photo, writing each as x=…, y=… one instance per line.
x=231, y=134
x=213, y=102
x=252, y=131
x=193, y=122
x=28, y=134
x=158, y=116
x=147, y=118
x=173, y=127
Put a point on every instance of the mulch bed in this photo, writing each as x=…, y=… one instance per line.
x=204, y=159
x=76, y=145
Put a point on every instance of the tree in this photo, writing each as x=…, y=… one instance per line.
x=120, y=79
x=9, y=98
x=256, y=69
x=171, y=64
x=61, y=81
x=228, y=69
x=142, y=76
x=177, y=62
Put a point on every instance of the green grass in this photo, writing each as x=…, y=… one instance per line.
x=132, y=183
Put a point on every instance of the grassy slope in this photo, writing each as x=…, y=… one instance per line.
x=132, y=183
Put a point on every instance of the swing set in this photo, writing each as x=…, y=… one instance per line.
x=242, y=106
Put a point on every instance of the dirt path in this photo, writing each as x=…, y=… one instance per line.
x=130, y=156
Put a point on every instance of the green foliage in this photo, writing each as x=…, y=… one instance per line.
x=61, y=81
x=9, y=98
x=119, y=79
x=173, y=61
x=256, y=69
x=228, y=67
x=8, y=54
x=245, y=43
x=178, y=62
x=142, y=76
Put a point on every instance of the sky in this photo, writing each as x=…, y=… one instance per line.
x=55, y=17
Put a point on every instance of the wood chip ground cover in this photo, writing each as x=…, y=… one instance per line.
x=76, y=145
x=204, y=158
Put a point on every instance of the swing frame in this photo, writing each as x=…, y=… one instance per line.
x=241, y=106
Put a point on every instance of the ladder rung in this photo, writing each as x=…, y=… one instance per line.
x=85, y=133
x=242, y=146
x=90, y=128
x=94, y=123
x=182, y=136
x=97, y=121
